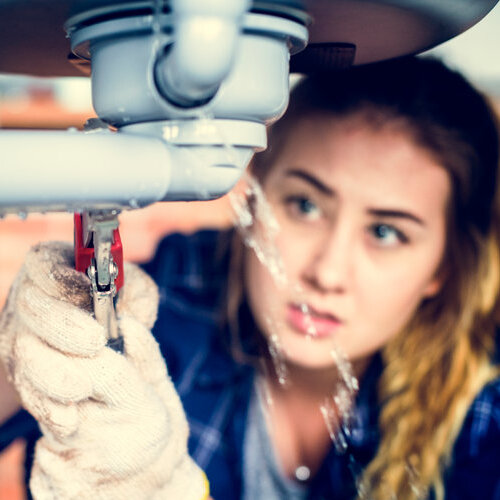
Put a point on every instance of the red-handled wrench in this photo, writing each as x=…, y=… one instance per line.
x=99, y=253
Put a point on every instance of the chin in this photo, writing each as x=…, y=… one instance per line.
x=304, y=362
x=308, y=353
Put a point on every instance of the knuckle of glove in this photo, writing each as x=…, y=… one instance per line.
x=51, y=373
x=131, y=445
x=142, y=350
x=127, y=423
x=119, y=384
x=63, y=326
x=59, y=419
x=50, y=267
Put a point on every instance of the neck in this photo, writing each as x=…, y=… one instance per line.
x=300, y=430
x=310, y=383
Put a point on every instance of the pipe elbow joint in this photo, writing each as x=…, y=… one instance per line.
x=191, y=70
x=207, y=172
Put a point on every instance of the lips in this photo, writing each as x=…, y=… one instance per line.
x=306, y=320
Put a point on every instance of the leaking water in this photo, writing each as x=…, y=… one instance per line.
x=277, y=353
x=252, y=209
x=156, y=20
x=133, y=203
x=339, y=409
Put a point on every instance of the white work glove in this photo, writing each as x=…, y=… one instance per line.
x=113, y=426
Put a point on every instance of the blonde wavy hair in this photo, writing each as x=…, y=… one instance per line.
x=435, y=368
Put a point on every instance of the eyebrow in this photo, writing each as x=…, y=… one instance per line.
x=400, y=214
x=378, y=212
x=310, y=179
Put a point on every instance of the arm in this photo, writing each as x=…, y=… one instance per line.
x=113, y=426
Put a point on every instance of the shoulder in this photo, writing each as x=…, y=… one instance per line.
x=482, y=425
x=191, y=273
x=188, y=259
x=473, y=471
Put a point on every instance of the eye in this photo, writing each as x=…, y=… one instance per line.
x=302, y=207
x=387, y=235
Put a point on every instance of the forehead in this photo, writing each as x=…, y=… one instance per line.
x=377, y=159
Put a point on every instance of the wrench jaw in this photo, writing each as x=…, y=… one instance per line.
x=98, y=252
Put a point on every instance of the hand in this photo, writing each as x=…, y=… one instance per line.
x=113, y=426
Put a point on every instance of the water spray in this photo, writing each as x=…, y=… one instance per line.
x=188, y=87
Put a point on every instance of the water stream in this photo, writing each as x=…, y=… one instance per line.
x=251, y=208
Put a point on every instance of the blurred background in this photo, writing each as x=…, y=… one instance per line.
x=37, y=103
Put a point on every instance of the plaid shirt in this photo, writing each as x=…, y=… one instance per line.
x=191, y=272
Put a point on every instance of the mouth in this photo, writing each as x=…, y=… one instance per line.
x=308, y=321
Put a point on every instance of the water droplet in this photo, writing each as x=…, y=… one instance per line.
x=311, y=329
x=133, y=203
x=156, y=20
x=263, y=388
x=277, y=353
x=302, y=473
x=262, y=241
x=22, y=215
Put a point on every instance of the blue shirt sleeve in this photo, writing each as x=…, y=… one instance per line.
x=20, y=425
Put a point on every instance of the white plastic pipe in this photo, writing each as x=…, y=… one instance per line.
x=68, y=170
x=74, y=171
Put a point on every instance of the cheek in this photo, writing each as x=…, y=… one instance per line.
x=296, y=249
x=390, y=303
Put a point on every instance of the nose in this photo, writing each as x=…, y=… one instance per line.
x=330, y=265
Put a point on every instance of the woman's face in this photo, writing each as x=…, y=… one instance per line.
x=362, y=216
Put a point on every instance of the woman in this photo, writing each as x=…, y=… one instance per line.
x=362, y=338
